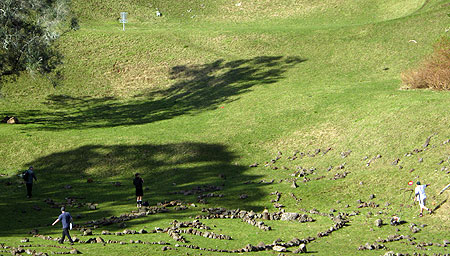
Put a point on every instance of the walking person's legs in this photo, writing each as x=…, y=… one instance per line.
x=68, y=236
x=63, y=236
x=423, y=207
x=29, y=189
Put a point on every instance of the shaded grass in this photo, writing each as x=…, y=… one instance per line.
x=184, y=102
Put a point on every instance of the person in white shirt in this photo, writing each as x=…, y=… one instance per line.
x=421, y=197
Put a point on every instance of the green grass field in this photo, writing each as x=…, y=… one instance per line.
x=193, y=98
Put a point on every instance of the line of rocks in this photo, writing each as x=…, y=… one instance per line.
x=21, y=249
x=198, y=190
x=392, y=253
x=70, y=202
x=372, y=159
x=278, y=194
x=341, y=175
x=370, y=247
x=222, y=213
x=295, y=198
x=277, y=245
x=142, y=212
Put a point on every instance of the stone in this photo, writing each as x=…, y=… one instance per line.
x=301, y=249
x=12, y=120
x=294, y=184
x=74, y=251
x=289, y=216
x=379, y=222
x=261, y=245
x=25, y=240
x=99, y=240
x=34, y=232
x=279, y=248
x=87, y=232
x=243, y=196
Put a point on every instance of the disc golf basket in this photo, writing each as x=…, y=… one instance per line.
x=123, y=19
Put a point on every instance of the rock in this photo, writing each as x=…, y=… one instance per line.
x=74, y=251
x=446, y=242
x=25, y=240
x=395, y=221
x=261, y=245
x=379, y=222
x=294, y=184
x=99, y=240
x=372, y=196
x=12, y=120
x=301, y=249
x=288, y=216
x=279, y=248
x=87, y=232
x=34, y=232
x=243, y=196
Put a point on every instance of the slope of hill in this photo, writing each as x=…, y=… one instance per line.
x=306, y=91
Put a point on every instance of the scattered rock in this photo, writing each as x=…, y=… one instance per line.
x=294, y=184
x=379, y=222
x=12, y=120
x=243, y=196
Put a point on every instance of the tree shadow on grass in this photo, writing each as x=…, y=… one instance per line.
x=195, y=88
x=165, y=168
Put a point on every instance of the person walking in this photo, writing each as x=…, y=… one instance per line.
x=137, y=182
x=28, y=177
x=66, y=220
x=421, y=197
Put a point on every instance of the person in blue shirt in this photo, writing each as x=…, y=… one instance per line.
x=28, y=177
x=66, y=220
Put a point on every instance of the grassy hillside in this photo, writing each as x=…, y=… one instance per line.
x=193, y=98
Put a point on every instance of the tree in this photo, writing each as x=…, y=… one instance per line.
x=28, y=31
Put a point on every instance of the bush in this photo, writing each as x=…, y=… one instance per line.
x=434, y=72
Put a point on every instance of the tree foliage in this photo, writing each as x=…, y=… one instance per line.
x=28, y=31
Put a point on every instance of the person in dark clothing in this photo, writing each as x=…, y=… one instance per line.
x=138, y=181
x=28, y=176
x=66, y=220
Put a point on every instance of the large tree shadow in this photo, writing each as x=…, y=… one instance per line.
x=165, y=168
x=195, y=88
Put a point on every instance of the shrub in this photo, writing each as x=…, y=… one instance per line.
x=434, y=72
